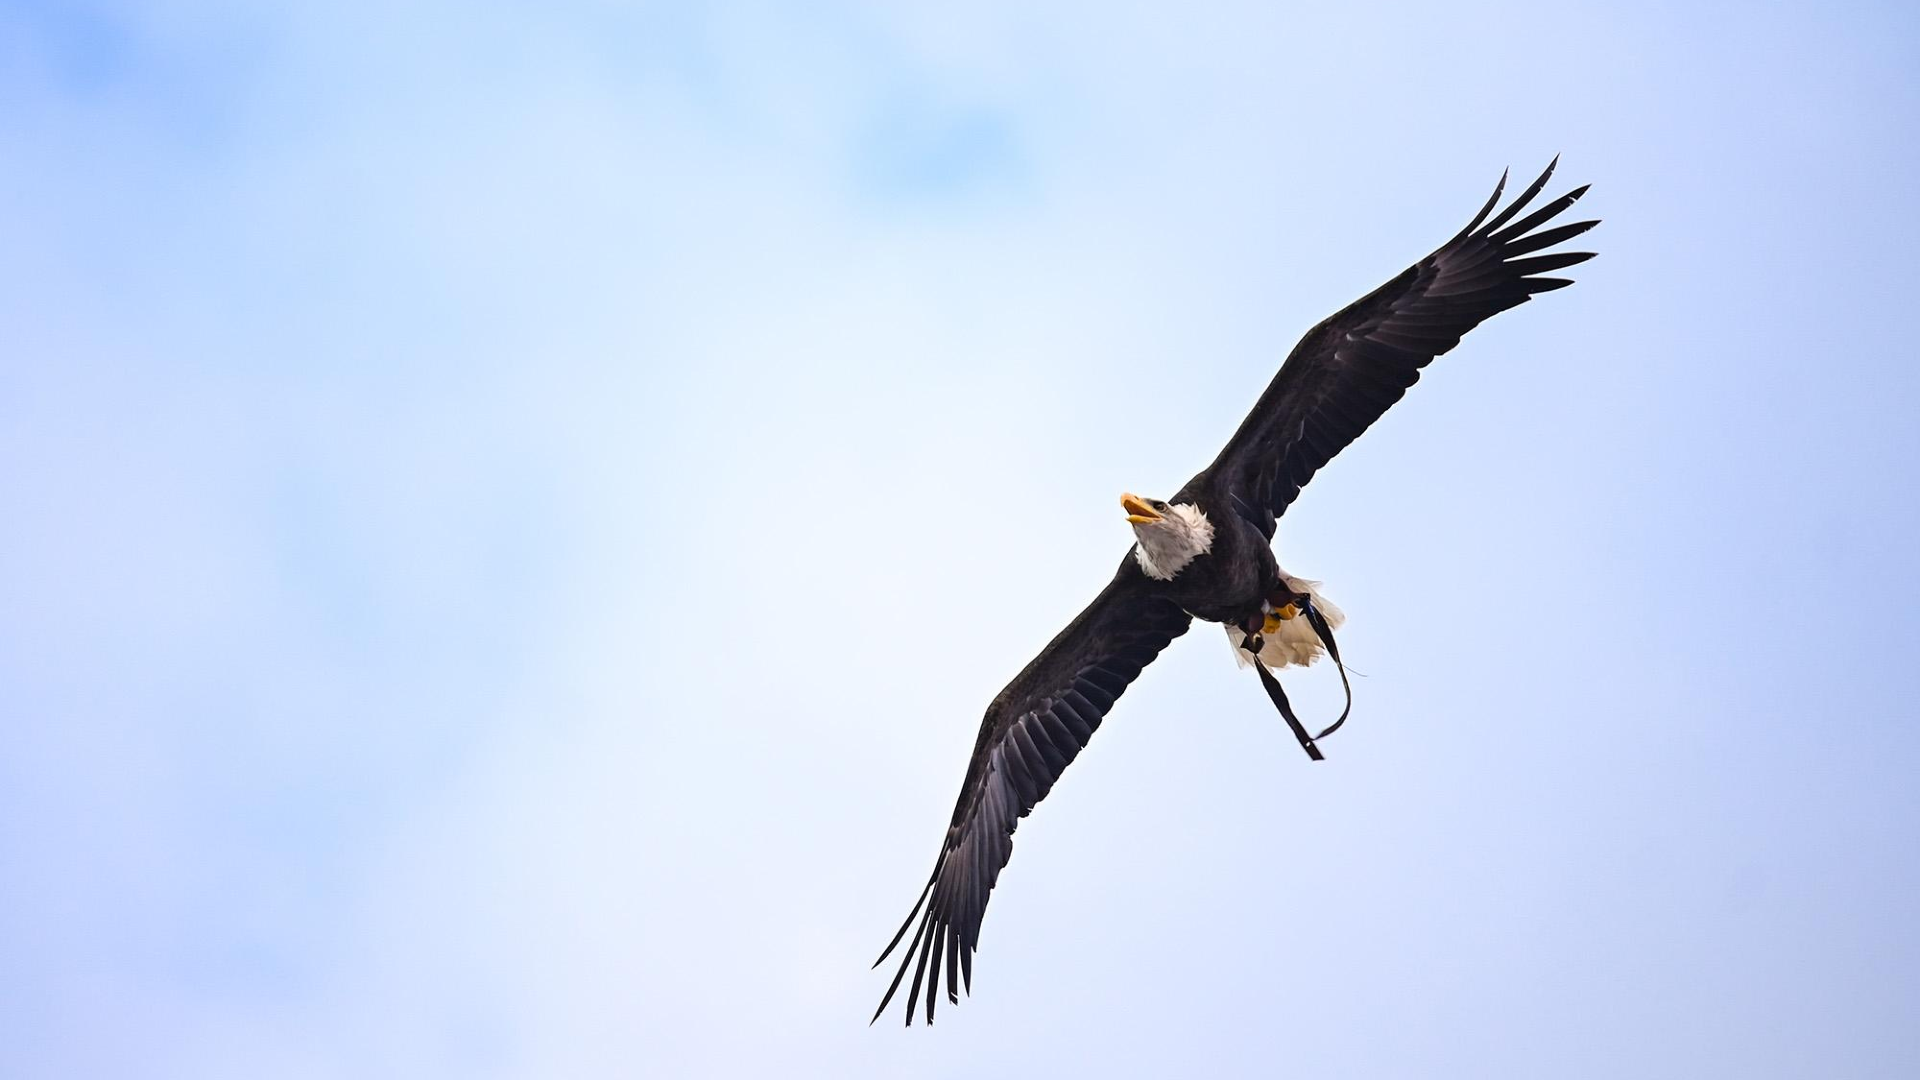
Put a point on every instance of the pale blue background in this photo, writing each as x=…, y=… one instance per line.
x=512, y=513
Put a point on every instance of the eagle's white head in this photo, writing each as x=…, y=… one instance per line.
x=1171, y=535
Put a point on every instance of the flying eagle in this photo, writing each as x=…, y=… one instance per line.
x=1206, y=553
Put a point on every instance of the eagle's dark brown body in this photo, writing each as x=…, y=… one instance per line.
x=1233, y=579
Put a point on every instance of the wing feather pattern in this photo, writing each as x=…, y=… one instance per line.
x=1032, y=732
x=1351, y=368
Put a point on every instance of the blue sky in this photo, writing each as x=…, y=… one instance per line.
x=515, y=511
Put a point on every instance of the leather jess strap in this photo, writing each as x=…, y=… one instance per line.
x=1252, y=642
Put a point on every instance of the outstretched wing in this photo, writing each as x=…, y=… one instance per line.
x=1348, y=370
x=1033, y=730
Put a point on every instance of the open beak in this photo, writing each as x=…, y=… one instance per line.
x=1138, y=511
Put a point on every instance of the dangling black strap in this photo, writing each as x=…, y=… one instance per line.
x=1251, y=643
x=1280, y=702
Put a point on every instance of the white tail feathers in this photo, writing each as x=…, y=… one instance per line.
x=1294, y=642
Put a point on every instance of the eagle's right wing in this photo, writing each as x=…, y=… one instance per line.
x=1032, y=731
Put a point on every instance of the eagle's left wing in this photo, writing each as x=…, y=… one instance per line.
x=1351, y=368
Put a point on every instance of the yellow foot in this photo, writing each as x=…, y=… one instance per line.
x=1288, y=612
x=1272, y=624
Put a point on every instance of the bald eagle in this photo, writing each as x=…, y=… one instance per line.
x=1206, y=553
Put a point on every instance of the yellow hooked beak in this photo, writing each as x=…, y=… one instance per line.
x=1138, y=511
